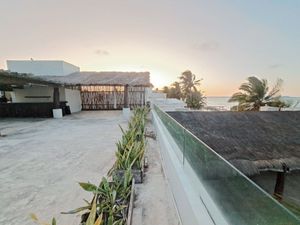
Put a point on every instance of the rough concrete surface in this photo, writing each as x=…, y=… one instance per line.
x=41, y=161
x=154, y=203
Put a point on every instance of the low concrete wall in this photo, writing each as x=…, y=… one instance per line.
x=74, y=100
x=38, y=109
x=192, y=201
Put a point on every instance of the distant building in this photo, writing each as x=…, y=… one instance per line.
x=42, y=67
x=51, y=84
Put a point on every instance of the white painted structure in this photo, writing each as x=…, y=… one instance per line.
x=191, y=198
x=170, y=104
x=57, y=69
x=73, y=98
x=42, y=67
x=45, y=94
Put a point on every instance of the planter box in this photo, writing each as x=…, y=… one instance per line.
x=137, y=175
x=126, y=113
x=129, y=209
x=131, y=201
x=57, y=113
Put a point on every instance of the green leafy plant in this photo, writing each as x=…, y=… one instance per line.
x=110, y=201
x=36, y=220
x=131, y=147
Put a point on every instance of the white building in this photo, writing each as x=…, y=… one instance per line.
x=41, y=93
x=61, y=82
x=42, y=67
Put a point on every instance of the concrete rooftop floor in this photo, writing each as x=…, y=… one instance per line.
x=42, y=161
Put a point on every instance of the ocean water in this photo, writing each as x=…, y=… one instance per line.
x=222, y=102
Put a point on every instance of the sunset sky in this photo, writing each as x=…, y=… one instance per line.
x=221, y=41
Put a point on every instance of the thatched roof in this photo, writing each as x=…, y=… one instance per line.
x=11, y=79
x=103, y=78
x=251, y=141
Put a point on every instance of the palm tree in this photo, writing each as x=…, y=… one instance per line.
x=188, y=83
x=195, y=100
x=175, y=91
x=165, y=90
x=280, y=104
x=255, y=93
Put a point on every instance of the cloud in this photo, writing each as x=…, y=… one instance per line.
x=207, y=46
x=275, y=66
x=101, y=52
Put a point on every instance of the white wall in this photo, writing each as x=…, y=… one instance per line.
x=69, y=68
x=188, y=191
x=42, y=67
x=156, y=95
x=74, y=100
x=36, y=94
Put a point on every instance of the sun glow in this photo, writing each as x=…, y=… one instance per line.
x=158, y=77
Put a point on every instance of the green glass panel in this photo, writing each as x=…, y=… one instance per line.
x=240, y=200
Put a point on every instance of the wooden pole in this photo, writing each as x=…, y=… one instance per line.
x=279, y=186
x=115, y=98
x=56, y=103
x=126, y=96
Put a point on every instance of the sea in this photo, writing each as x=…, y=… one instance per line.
x=222, y=103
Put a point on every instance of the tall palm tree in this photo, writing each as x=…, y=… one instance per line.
x=255, y=94
x=175, y=90
x=188, y=83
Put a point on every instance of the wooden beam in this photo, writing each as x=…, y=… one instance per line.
x=279, y=186
x=126, y=96
x=56, y=98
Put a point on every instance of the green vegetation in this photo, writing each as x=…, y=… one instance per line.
x=131, y=147
x=174, y=91
x=195, y=100
x=187, y=89
x=110, y=201
x=36, y=220
x=255, y=93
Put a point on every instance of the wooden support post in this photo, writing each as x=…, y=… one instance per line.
x=115, y=98
x=56, y=102
x=279, y=186
x=126, y=96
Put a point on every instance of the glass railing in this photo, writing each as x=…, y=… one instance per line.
x=239, y=200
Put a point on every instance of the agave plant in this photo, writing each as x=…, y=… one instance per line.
x=109, y=204
x=131, y=147
x=38, y=221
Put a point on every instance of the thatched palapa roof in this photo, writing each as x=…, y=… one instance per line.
x=103, y=78
x=251, y=141
x=8, y=80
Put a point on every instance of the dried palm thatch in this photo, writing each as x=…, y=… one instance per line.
x=9, y=79
x=251, y=141
x=103, y=78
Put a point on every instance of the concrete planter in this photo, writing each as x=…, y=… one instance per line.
x=128, y=211
x=137, y=175
x=126, y=113
x=57, y=113
x=131, y=201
